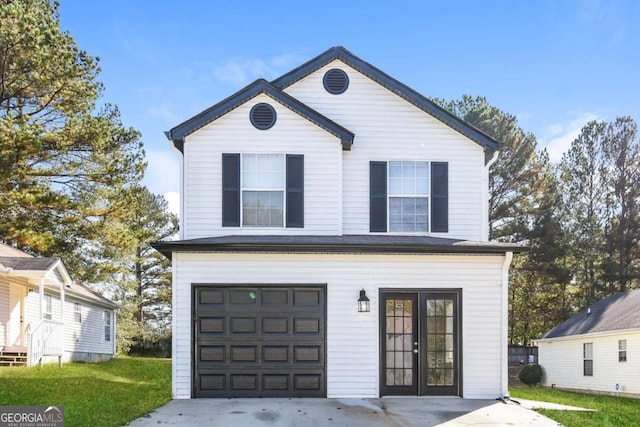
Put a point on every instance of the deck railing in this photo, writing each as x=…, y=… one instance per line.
x=45, y=339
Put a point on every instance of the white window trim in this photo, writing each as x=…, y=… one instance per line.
x=586, y=357
x=283, y=190
x=107, y=324
x=47, y=312
x=622, y=350
x=411, y=196
x=77, y=312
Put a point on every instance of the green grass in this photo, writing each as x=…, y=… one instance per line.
x=610, y=411
x=93, y=394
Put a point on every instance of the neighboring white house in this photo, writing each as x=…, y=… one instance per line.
x=305, y=198
x=597, y=350
x=47, y=317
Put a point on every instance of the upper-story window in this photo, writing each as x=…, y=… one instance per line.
x=263, y=190
x=408, y=196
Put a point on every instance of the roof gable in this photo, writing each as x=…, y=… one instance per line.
x=178, y=133
x=489, y=144
x=613, y=313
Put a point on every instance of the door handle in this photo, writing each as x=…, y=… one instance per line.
x=415, y=350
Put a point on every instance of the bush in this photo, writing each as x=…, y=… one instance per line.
x=531, y=374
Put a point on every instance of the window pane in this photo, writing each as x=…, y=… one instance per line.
x=408, y=214
x=395, y=169
x=409, y=178
x=263, y=171
x=262, y=208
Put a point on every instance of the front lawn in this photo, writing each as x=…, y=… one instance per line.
x=101, y=394
x=610, y=411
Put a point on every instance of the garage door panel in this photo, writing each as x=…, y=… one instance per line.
x=242, y=325
x=259, y=341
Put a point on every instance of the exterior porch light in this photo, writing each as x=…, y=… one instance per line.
x=363, y=303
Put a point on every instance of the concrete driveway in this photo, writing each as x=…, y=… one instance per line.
x=392, y=411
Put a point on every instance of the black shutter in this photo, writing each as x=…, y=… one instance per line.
x=295, y=191
x=378, y=196
x=439, y=197
x=231, y=190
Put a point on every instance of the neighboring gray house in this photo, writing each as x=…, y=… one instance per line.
x=334, y=243
x=47, y=317
x=597, y=350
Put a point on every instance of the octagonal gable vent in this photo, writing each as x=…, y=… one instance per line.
x=262, y=116
x=335, y=81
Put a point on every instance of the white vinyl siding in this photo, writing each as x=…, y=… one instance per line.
x=562, y=363
x=352, y=337
x=87, y=336
x=233, y=133
x=389, y=128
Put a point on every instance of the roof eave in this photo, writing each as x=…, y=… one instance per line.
x=410, y=95
x=178, y=133
x=167, y=248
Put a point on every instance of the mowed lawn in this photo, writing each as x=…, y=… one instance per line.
x=93, y=394
x=609, y=411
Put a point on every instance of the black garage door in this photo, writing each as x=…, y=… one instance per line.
x=259, y=341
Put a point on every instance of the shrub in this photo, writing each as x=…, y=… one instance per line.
x=531, y=374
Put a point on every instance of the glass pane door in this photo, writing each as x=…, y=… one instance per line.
x=399, y=344
x=440, y=343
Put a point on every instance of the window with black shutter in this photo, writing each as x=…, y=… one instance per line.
x=408, y=196
x=263, y=190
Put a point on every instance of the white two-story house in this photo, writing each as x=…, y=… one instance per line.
x=334, y=243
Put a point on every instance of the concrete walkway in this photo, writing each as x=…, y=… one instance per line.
x=388, y=411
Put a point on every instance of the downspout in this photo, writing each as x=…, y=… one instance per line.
x=485, y=194
x=504, y=347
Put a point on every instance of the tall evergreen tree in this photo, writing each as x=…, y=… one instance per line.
x=621, y=151
x=64, y=159
x=523, y=208
x=140, y=277
x=582, y=170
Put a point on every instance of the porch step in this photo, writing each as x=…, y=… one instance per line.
x=13, y=356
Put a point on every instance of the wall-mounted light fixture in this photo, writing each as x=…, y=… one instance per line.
x=363, y=302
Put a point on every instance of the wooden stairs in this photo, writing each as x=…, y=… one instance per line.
x=13, y=356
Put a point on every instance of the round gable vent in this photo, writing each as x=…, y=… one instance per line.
x=263, y=116
x=335, y=81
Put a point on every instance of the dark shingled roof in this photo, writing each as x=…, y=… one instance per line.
x=335, y=244
x=613, y=313
x=28, y=264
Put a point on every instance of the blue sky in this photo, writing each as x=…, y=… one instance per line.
x=554, y=64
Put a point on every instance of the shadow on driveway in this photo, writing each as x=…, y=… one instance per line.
x=388, y=411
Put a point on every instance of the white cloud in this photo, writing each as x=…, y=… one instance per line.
x=242, y=71
x=173, y=199
x=557, y=138
x=164, y=112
